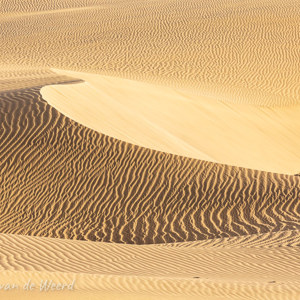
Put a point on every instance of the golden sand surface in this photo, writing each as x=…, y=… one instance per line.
x=60, y=178
x=163, y=164
x=18, y=77
x=175, y=121
x=71, y=182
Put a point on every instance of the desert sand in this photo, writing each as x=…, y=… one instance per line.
x=178, y=122
x=190, y=270
x=150, y=149
x=245, y=52
x=168, y=270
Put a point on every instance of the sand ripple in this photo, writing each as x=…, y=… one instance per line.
x=61, y=179
x=231, y=268
x=237, y=51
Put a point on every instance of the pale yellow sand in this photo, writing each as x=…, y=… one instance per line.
x=265, y=266
x=176, y=121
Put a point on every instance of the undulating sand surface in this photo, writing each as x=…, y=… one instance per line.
x=229, y=268
x=74, y=182
x=239, y=51
x=16, y=77
x=164, y=164
x=61, y=179
x=175, y=121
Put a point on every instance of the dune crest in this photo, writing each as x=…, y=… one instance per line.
x=178, y=122
x=165, y=163
x=81, y=184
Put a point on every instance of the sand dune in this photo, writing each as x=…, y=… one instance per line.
x=245, y=52
x=174, y=121
x=227, y=268
x=160, y=147
x=61, y=179
x=203, y=259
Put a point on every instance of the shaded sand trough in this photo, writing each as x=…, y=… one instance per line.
x=93, y=196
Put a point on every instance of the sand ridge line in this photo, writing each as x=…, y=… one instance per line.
x=103, y=189
x=174, y=121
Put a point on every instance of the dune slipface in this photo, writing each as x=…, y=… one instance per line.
x=112, y=210
x=81, y=184
x=175, y=121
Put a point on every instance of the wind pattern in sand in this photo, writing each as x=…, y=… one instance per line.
x=243, y=52
x=80, y=184
x=173, y=209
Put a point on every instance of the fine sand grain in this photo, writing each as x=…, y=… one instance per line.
x=231, y=268
x=239, y=51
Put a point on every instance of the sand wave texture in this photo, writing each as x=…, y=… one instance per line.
x=62, y=179
x=175, y=227
x=238, y=51
x=228, y=268
x=178, y=122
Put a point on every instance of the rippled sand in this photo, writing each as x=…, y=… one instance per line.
x=229, y=268
x=164, y=164
x=245, y=52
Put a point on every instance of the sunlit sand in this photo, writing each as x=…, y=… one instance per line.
x=179, y=122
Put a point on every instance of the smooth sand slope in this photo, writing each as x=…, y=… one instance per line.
x=239, y=51
x=262, y=266
x=175, y=121
x=62, y=179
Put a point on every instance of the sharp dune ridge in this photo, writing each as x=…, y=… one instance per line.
x=81, y=184
x=15, y=78
x=175, y=121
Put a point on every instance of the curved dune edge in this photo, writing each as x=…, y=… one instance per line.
x=262, y=266
x=177, y=122
x=18, y=77
x=72, y=182
x=59, y=178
